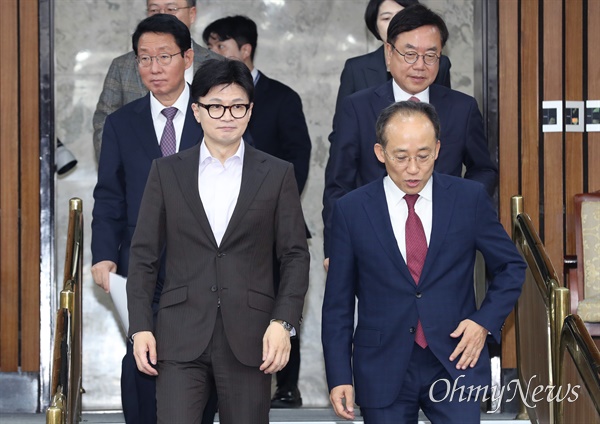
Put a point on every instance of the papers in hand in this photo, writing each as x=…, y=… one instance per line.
x=118, y=294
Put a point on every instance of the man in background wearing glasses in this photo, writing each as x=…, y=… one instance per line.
x=123, y=83
x=416, y=36
x=224, y=212
x=404, y=247
x=159, y=124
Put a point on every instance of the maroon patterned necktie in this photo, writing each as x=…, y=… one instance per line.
x=168, y=142
x=414, y=99
x=416, y=251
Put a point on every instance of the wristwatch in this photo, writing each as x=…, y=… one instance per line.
x=285, y=324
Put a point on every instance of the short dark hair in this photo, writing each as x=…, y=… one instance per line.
x=241, y=28
x=215, y=72
x=163, y=23
x=414, y=17
x=372, y=11
x=406, y=109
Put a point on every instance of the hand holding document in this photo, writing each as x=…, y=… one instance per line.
x=118, y=294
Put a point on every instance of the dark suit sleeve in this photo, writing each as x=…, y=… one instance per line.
x=145, y=254
x=342, y=167
x=443, y=76
x=292, y=253
x=293, y=132
x=338, y=305
x=110, y=100
x=347, y=87
x=110, y=211
x=480, y=166
x=504, y=264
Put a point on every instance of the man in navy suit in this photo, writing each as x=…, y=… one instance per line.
x=404, y=246
x=278, y=127
x=416, y=36
x=130, y=142
x=370, y=70
x=123, y=83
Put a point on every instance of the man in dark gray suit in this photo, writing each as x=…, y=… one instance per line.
x=278, y=127
x=123, y=83
x=219, y=210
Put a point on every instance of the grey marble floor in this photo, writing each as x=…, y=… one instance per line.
x=283, y=416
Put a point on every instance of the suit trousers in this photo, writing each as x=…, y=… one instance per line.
x=439, y=406
x=287, y=378
x=184, y=388
x=138, y=390
x=138, y=396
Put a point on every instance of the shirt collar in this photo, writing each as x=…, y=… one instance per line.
x=205, y=155
x=255, y=75
x=181, y=103
x=400, y=95
x=397, y=195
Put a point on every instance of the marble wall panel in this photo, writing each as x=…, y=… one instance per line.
x=303, y=43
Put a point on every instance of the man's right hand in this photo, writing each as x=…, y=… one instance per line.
x=326, y=264
x=144, y=348
x=342, y=399
x=101, y=271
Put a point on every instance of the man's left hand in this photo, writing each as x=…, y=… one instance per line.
x=276, y=348
x=471, y=344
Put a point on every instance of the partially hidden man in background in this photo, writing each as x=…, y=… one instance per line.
x=404, y=246
x=278, y=127
x=159, y=124
x=218, y=209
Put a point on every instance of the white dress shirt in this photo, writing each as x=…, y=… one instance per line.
x=401, y=96
x=159, y=120
x=399, y=210
x=219, y=187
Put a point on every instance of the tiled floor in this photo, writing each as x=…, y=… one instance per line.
x=282, y=416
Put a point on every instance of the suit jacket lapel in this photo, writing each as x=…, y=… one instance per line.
x=376, y=71
x=383, y=97
x=261, y=87
x=253, y=175
x=437, y=97
x=192, y=130
x=443, y=204
x=143, y=125
x=187, y=177
x=379, y=215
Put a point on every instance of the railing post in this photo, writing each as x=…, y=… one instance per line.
x=516, y=208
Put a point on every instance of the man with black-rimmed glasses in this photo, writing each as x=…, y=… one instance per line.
x=278, y=127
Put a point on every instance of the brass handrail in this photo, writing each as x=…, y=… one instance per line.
x=66, y=385
x=577, y=342
x=554, y=297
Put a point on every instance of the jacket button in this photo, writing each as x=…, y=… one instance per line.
x=220, y=254
x=213, y=289
x=412, y=330
x=418, y=295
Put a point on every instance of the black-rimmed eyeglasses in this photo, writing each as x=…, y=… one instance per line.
x=412, y=57
x=163, y=59
x=216, y=111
